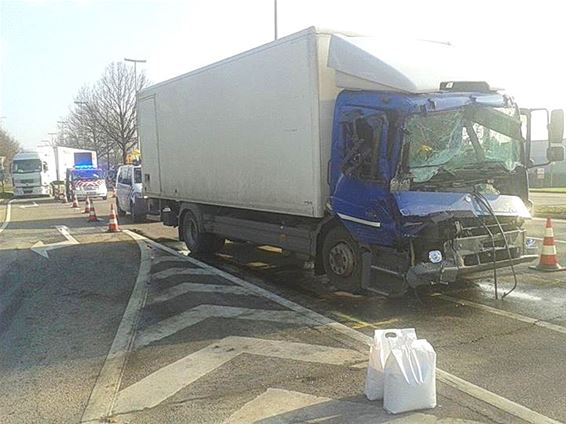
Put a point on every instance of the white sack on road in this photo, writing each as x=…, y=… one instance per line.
x=383, y=342
x=410, y=377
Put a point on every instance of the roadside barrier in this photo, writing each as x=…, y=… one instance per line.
x=92, y=214
x=75, y=204
x=112, y=220
x=548, y=261
x=88, y=206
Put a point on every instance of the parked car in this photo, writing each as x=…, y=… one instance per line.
x=129, y=196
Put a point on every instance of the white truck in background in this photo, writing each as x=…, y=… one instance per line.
x=33, y=172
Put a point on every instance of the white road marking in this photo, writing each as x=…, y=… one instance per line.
x=42, y=249
x=544, y=219
x=285, y=406
x=195, y=315
x=184, y=288
x=464, y=386
x=161, y=259
x=108, y=382
x=555, y=241
x=8, y=216
x=164, y=383
x=33, y=205
x=179, y=271
x=501, y=312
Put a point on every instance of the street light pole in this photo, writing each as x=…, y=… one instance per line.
x=80, y=103
x=62, y=130
x=135, y=62
x=275, y=17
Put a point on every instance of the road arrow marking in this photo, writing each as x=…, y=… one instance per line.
x=193, y=316
x=185, y=288
x=285, y=406
x=41, y=249
x=161, y=275
x=164, y=383
x=33, y=205
x=7, y=217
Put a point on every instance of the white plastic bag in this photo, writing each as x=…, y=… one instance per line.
x=383, y=342
x=410, y=378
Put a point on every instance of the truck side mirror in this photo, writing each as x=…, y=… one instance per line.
x=556, y=126
x=45, y=167
x=555, y=153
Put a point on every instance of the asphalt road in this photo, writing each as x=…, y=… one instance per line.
x=548, y=199
x=123, y=330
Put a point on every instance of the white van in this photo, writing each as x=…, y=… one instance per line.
x=129, y=196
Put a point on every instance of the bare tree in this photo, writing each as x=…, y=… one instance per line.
x=8, y=147
x=103, y=117
x=114, y=105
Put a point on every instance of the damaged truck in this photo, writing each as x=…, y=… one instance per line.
x=384, y=163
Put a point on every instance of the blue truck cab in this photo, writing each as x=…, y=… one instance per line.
x=429, y=186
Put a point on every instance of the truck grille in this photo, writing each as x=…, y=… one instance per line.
x=486, y=257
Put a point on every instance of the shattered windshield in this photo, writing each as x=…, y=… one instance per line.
x=463, y=139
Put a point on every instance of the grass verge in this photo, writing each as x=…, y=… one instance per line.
x=548, y=190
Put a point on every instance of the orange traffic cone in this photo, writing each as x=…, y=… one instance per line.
x=548, y=261
x=75, y=204
x=92, y=215
x=88, y=206
x=112, y=220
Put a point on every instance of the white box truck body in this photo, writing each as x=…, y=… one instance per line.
x=252, y=131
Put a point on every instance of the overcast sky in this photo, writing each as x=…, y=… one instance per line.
x=50, y=48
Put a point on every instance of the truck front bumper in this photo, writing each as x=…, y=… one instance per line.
x=472, y=255
x=31, y=191
x=81, y=195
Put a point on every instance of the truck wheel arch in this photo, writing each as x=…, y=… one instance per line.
x=195, y=210
x=325, y=226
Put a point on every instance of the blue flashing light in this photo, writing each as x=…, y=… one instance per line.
x=81, y=166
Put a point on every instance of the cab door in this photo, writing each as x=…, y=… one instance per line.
x=359, y=182
x=123, y=188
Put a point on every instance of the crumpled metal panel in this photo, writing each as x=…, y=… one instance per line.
x=423, y=203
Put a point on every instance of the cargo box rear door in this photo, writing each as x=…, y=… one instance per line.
x=149, y=145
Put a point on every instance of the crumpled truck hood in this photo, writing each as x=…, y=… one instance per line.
x=423, y=203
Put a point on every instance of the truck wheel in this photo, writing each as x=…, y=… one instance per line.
x=119, y=210
x=136, y=217
x=197, y=241
x=342, y=259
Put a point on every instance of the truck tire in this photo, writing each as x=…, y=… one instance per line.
x=197, y=241
x=119, y=210
x=136, y=218
x=342, y=259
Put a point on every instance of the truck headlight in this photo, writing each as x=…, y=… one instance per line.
x=435, y=256
x=530, y=243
